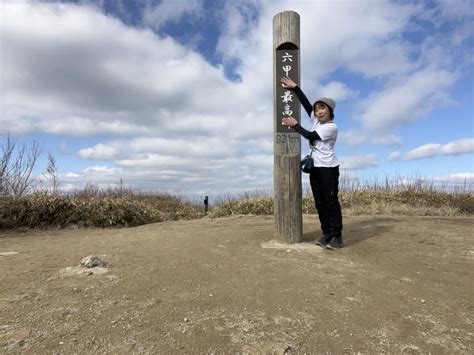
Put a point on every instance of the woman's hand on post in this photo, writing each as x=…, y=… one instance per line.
x=289, y=121
x=287, y=83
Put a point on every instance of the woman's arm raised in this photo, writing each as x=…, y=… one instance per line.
x=287, y=83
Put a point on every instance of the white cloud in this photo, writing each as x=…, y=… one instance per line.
x=358, y=162
x=70, y=175
x=416, y=80
x=196, y=178
x=140, y=148
x=461, y=146
x=406, y=100
x=464, y=32
x=455, y=9
x=101, y=171
x=93, y=75
x=71, y=70
x=394, y=155
x=171, y=11
x=425, y=151
x=337, y=91
x=458, y=178
x=102, y=176
x=99, y=151
x=362, y=137
x=74, y=71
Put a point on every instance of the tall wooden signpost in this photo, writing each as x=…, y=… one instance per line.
x=286, y=142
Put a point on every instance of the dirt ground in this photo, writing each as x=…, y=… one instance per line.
x=213, y=286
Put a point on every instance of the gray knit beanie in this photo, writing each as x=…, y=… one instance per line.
x=330, y=102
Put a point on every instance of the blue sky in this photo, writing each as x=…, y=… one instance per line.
x=176, y=95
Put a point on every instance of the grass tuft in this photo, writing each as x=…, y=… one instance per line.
x=92, y=209
x=120, y=207
x=366, y=201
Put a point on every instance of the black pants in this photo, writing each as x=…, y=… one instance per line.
x=325, y=187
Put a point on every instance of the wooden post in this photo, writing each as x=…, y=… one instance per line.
x=286, y=142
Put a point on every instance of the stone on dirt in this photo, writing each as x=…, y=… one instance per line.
x=92, y=261
x=8, y=253
x=18, y=345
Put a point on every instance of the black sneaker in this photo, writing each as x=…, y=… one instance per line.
x=324, y=240
x=335, y=243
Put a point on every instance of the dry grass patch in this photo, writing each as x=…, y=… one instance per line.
x=41, y=210
x=93, y=207
x=405, y=202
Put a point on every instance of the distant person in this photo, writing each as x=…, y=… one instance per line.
x=324, y=176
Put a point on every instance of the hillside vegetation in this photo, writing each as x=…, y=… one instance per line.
x=93, y=207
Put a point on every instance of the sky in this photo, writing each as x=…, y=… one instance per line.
x=176, y=96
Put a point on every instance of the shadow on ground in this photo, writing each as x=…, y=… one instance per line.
x=356, y=231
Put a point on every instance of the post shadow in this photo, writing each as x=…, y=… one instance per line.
x=355, y=232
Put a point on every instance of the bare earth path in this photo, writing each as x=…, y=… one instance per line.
x=402, y=284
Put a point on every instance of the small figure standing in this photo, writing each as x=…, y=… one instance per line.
x=324, y=177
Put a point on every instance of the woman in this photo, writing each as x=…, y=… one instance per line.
x=324, y=177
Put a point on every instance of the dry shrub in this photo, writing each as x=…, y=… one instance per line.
x=402, y=202
x=93, y=207
x=308, y=205
x=44, y=210
x=418, y=202
x=262, y=206
x=397, y=208
x=252, y=206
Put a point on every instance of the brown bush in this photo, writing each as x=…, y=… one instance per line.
x=44, y=210
x=92, y=207
x=417, y=202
